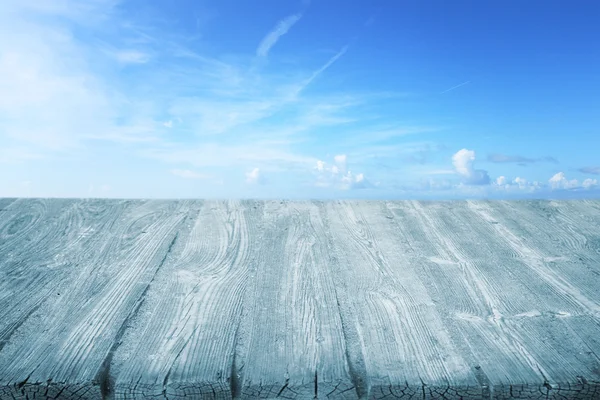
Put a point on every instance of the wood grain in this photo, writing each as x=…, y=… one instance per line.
x=134, y=299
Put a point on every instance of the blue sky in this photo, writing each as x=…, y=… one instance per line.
x=299, y=99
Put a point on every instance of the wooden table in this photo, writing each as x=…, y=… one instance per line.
x=134, y=299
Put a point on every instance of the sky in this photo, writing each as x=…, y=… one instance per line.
x=300, y=99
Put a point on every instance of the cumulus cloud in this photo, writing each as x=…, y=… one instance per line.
x=503, y=158
x=254, y=177
x=590, y=170
x=518, y=184
x=463, y=164
x=351, y=181
x=560, y=181
x=589, y=183
x=272, y=37
x=359, y=180
x=320, y=165
x=338, y=176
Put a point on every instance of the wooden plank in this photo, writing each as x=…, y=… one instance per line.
x=69, y=338
x=514, y=310
x=183, y=343
x=565, y=246
x=292, y=331
x=404, y=348
x=39, y=241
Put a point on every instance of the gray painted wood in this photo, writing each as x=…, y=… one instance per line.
x=128, y=299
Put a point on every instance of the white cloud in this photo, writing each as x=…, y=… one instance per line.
x=341, y=162
x=17, y=154
x=455, y=87
x=79, y=11
x=62, y=91
x=352, y=181
x=382, y=134
x=463, y=160
x=254, y=176
x=320, y=165
x=238, y=99
x=132, y=57
x=559, y=181
x=521, y=182
x=189, y=174
x=589, y=183
x=590, y=170
x=221, y=112
x=66, y=91
x=318, y=72
x=218, y=115
x=338, y=177
x=51, y=104
x=517, y=185
x=265, y=154
x=463, y=163
x=272, y=37
x=357, y=181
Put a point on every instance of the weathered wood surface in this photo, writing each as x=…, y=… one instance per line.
x=266, y=299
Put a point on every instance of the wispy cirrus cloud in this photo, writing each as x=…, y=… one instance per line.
x=328, y=64
x=270, y=155
x=373, y=136
x=62, y=88
x=272, y=37
x=57, y=106
x=231, y=96
x=590, y=170
x=18, y=154
x=503, y=158
x=372, y=18
x=131, y=56
x=455, y=87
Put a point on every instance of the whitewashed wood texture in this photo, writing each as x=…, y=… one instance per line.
x=134, y=299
